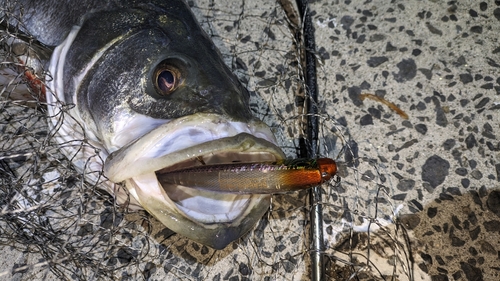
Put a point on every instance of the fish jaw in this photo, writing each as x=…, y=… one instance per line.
x=212, y=218
x=223, y=225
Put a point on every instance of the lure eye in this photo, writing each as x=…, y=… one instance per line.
x=166, y=79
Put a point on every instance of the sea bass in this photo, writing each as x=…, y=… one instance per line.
x=137, y=89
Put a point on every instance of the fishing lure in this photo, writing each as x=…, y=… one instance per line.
x=264, y=178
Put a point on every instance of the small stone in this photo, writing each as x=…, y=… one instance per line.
x=487, y=247
x=461, y=171
x=361, y=39
x=454, y=191
x=368, y=176
x=441, y=119
x=492, y=226
x=483, y=191
x=477, y=29
x=460, y=61
x=377, y=37
x=465, y=183
x=456, y=222
x=493, y=202
x=482, y=103
x=483, y=6
x=435, y=170
x=399, y=197
x=389, y=47
x=473, y=251
x=407, y=70
x=487, y=86
x=439, y=278
x=444, y=196
x=85, y=229
x=472, y=218
x=410, y=221
x=466, y=78
x=417, y=204
x=288, y=266
x=346, y=22
x=406, y=184
x=244, y=269
x=457, y=242
x=431, y=212
x=367, y=13
x=437, y=228
x=449, y=144
x=476, y=174
x=246, y=39
x=492, y=63
x=375, y=112
x=475, y=197
x=366, y=120
x=442, y=270
x=423, y=267
x=426, y=72
x=329, y=230
x=376, y=61
x=471, y=273
x=433, y=29
x=204, y=250
x=474, y=233
x=125, y=255
x=470, y=141
x=354, y=93
x=426, y=257
x=421, y=128
x=496, y=13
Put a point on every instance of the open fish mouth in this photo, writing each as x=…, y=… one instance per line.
x=195, y=140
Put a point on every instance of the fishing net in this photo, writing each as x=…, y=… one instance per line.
x=55, y=225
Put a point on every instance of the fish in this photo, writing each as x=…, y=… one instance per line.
x=136, y=87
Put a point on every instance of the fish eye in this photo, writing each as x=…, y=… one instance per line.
x=166, y=79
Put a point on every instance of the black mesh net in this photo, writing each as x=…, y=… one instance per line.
x=53, y=224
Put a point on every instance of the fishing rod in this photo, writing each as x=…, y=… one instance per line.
x=310, y=145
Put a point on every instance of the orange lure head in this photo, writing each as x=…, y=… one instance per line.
x=327, y=167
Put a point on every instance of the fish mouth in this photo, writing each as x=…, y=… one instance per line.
x=209, y=217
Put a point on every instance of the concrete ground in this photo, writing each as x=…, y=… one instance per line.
x=429, y=180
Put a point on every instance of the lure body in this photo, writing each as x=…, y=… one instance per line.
x=270, y=177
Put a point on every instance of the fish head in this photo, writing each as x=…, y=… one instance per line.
x=154, y=91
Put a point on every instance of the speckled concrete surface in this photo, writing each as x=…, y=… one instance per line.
x=439, y=62
x=438, y=170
